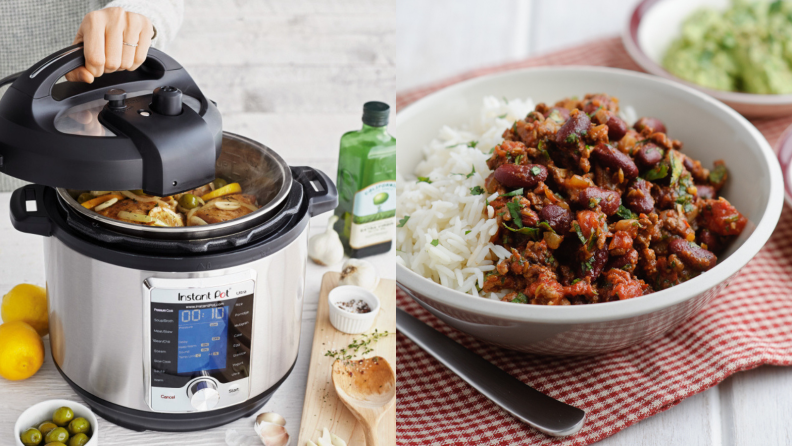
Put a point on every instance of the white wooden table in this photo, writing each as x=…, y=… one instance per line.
x=291, y=74
x=443, y=38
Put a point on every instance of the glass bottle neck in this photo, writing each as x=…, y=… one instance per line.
x=371, y=129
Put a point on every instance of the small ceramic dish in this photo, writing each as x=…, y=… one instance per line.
x=41, y=412
x=654, y=24
x=346, y=321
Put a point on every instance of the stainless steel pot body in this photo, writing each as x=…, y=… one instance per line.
x=101, y=323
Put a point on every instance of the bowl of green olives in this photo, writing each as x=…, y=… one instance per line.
x=57, y=423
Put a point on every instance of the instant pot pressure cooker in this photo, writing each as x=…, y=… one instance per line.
x=162, y=328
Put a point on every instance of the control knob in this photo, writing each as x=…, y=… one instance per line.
x=203, y=394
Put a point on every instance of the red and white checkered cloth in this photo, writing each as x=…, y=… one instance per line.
x=747, y=325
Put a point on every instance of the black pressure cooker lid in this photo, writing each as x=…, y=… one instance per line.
x=150, y=129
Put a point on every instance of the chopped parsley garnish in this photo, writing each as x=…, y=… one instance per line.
x=576, y=281
x=625, y=213
x=435, y=242
x=502, y=116
x=571, y=138
x=517, y=160
x=477, y=190
x=403, y=221
x=587, y=265
x=514, y=127
x=424, y=180
x=658, y=172
x=591, y=115
x=513, y=193
x=536, y=170
x=505, y=100
x=546, y=225
x=473, y=144
x=451, y=146
x=492, y=150
x=594, y=202
x=627, y=267
x=471, y=172
x=520, y=299
x=579, y=232
x=514, y=209
x=468, y=232
x=533, y=232
x=717, y=174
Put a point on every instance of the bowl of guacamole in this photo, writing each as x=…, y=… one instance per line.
x=738, y=51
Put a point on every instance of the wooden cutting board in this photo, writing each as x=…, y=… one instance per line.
x=322, y=407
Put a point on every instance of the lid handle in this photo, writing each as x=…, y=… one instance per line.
x=39, y=80
x=321, y=191
x=27, y=210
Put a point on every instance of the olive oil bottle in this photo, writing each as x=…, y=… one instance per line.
x=367, y=185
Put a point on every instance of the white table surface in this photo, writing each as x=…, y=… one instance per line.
x=442, y=38
x=291, y=74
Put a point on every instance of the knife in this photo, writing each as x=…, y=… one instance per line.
x=523, y=402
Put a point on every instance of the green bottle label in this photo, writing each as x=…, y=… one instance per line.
x=374, y=215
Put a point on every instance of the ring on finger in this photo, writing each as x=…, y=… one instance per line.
x=133, y=45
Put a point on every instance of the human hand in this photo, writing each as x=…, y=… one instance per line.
x=114, y=40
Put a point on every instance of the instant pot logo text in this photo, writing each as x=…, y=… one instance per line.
x=193, y=297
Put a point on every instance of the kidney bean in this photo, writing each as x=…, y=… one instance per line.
x=638, y=197
x=491, y=184
x=562, y=114
x=707, y=237
x=617, y=128
x=608, y=156
x=608, y=200
x=653, y=123
x=692, y=254
x=557, y=217
x=525, y=175
x=627, y=262
x=593, y=266
x=648, y=155
x=577, y=125
x=705, y=191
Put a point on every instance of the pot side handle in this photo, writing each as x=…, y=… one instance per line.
x=320, y=189
x=27, y=210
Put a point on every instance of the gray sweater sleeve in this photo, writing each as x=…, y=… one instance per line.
x=165, y=15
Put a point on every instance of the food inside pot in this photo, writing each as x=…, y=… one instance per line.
x=216, y=202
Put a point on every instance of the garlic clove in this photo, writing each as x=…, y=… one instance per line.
x=326, y=248
x=270, y=417
x=337, y=441
x=359, y=273
x=272, y=434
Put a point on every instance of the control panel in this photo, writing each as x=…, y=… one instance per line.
x=200, y=342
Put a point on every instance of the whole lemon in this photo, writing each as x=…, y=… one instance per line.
x=27, y=302
x=21, y=351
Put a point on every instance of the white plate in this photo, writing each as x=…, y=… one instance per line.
x=41, y=412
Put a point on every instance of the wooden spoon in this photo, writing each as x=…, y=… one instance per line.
x=368, y=389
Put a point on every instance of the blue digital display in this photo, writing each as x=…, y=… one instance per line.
x=203, y=339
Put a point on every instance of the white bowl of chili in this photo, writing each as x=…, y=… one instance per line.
x=710, y=131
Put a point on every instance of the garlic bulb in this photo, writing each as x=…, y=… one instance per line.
x=271, y=430
x=359, y=273
x=326, y=248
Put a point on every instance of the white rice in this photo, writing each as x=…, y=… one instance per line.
x=445, y=210
x=445, y=213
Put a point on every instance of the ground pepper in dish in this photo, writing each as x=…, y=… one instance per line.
x=593, y=210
